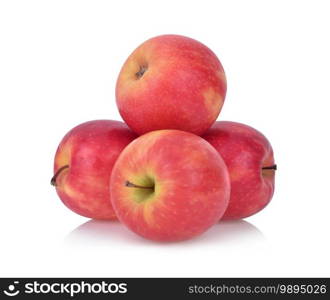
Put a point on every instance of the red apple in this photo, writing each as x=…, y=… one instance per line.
x=171, y=82
x=250, y=161
x=169, y=185
x=83, y=165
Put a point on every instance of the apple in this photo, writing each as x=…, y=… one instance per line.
x=250, y=161
x=171, y=82
x=83, y=165
x=169, y=185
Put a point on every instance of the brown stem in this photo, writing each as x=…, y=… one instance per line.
x=273, y=167
x=140, y=73
x=130, y=184
x=53, y=180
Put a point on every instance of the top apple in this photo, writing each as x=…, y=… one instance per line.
x=171, y=82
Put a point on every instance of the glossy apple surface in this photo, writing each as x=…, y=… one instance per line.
x=171, y=82
x=169, y=185
x=250, y=161
x=83, y=165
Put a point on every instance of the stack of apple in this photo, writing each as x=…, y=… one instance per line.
x=172, y=172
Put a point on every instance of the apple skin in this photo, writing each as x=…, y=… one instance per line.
x=191, y=186
x=183, y=86
x=90, y=149
x=246, y=152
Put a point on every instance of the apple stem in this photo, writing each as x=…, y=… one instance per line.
x=273, y=167
x=140, y=73
x=130, y=184
x=53, y=180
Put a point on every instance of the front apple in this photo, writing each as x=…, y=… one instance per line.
x=171, y=82
x=83, y=165
x=250, y=161
x=169, y=185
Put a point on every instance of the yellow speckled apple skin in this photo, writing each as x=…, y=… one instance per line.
x=190, y=186
x=90, y=150
x=171, y=82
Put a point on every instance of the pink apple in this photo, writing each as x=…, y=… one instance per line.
x=83, y=165
x=171, y=82
x=169, y=185
x=250, y=161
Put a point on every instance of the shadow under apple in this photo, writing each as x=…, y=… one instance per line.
x=103, y=233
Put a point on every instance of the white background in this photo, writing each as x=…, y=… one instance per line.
x=59, y=61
